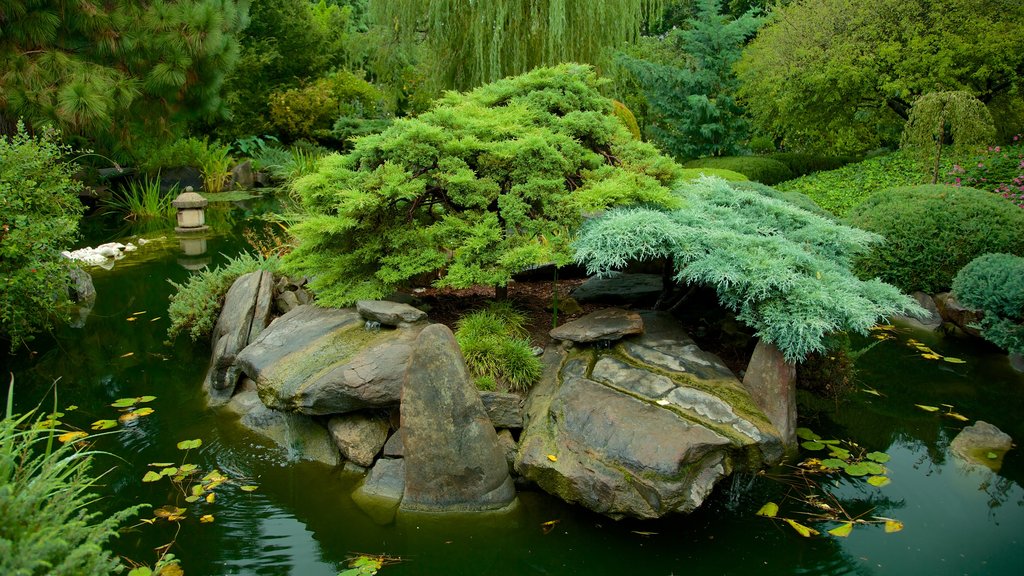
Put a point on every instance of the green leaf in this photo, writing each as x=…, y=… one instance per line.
x=833, y=463
x=843, y=530
x=873, y=467
x=858, y=469
x=991, y=455
x=103, y=424
x=144, y=399
x=769, y=510
x=802, y=530
x=124, y=402
x=880, y=457
x=188, y=468
x=807, y=434
x=151, y=476
x=927, y=408
x=171, y=471
x=140, y=571
x=248, y=488
x=813, y=446
x=191, y=499
x=879, y=481
x=190, y=444
x=840, y=453
x=952, y=360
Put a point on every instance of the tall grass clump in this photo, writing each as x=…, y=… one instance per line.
x=196, y=303
x=46, y=492
x=143, y=199
x=497, y=350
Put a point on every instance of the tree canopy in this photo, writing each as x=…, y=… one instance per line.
x=483, y=185
x=473, y=42
x=841, y=75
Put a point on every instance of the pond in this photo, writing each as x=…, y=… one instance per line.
x=300, y=519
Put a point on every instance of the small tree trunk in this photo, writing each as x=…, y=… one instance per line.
x=667, y=284
x=501, y=292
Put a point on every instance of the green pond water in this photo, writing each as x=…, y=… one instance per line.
x=301, y=520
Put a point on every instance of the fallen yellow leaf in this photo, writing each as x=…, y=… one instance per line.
x=552, y=457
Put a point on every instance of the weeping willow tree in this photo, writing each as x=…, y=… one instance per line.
x=477, y=41
x=946, y=119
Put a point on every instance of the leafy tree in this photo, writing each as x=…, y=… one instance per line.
x=841, y=75
x=692, y=110
x=784, y=270
x=483, y=185
x=940, y=116
x=115, y=71
x=473, y=42
x=39, y=214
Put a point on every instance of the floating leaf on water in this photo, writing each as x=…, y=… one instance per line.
x=197, y=490
x=161, y=464
x=210, y=498
x=206, y=518
x=130, y=319
x=858, y=469
x=833, y=463
x=952, y=360
x=880, y=457
x=873, y=467
x=140, y=571
x=893, y=525
x=879, y=481
x=143, y=412
x=927, y=408
x=552, y=457
x=172, y=570
x=103, y=424
x=871, y=391
x=802, y=530
x=991, y=455
x=813, y=446
x=248, y=488
x=215, y=475
x=931, y=356
x=188, y=468
x=72, y=436
x=124, y=402
x=829, y=442
x=837, y=452
x=144, y=399
x=956, y=416
x=546, y=527
x=152, y=476
x=168, y=510
x=769, y=510
x=190, y=444
x=807, y=434
x=127, y=417
x=157, y=318
x=842, y=530
x=171, y=471
x=71, y=408
x=191, y=499
x=140, y=313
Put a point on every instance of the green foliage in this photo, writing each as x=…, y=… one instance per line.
x=195, y=304
x=692, y=110
x=801, y=164
x=994, y=284
x=45, y=502
x=841, y=75
x=143, y=199
x=496, y=348
x=796, y=198
x=932, y=231
x=839, y=190
x=785, y=271
x=484, y=185
x=694, y=173
x=937, y=117
x=471, y=42
x=39, y=214
x=215, y=166
x=757, y=168
x=998, y=169
x=287, y=165
x=116, y=72
x=312, y=111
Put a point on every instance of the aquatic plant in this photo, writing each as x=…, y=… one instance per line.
x=143, y=199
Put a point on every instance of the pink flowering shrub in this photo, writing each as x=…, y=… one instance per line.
x=998, y=169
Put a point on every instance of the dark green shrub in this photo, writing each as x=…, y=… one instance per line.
x=312, y=111
x=39, y=214
x=932, y=231
x=496, y=348
x=46, y=526
x=762, y=145
x=195, y=304
x=801, y=164
x=756, y=168
x=994, y=283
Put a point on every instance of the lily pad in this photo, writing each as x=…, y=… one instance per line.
x=807, y=434
x=813, y=445
x=880, y=457
x=190, y=444
x=769, y=510
x=834, y=463
x=879, y=481
x=843, y=530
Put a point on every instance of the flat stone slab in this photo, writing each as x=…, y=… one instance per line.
x=389, y=313
x=620, y=289
x=607, y=324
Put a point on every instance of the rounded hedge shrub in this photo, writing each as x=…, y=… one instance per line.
x=801, y=164
x=994, y=283
x=756, y=168
x=932, y=231
x=688, y=174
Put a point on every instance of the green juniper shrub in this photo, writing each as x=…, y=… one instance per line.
x=39, y=215
x=484, y=185
x=994, y=283
x=932, y=231
x=801, y=163
x=796, y=198
x=312, y=111
x=50, y=521
x=757, y=168
x=196, y=303
x=785, y=271
x=496, y=348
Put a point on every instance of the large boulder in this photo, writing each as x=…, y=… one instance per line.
x=771, y=381
x=381, y=490
x=359, y=436
x=453, y=459
x=320, y=361
x=641, y=429
x=982, y=443
x=245, y=314
x=298, y=436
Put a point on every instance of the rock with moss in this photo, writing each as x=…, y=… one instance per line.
x=642, y=429
x=245, y=314
x=320, y=361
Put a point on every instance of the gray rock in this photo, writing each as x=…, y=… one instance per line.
x=232, y=331
x=982, y=443
x=381, y=492
x=931, y=322
x=320, y=361
x=394, y=448
x=242, y=176
x=637, y=431
x=452, y=456
x=299, y=436
x=286, y=302
x=508, y=446
x=81, y=289
x=641, y=289
x=264, y=299
x=388, y=313
x=505, y=410
x=1017, y=361
x=359, y=436
x=607, y=324
x=955, y=313
x=771, y=382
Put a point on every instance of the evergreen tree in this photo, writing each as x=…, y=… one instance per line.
x=115, y=70
x=473, y=42
x=691, y=106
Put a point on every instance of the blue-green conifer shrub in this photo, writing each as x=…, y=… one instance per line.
x=994, y=284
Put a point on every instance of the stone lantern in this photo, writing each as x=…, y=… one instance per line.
x=191, y=212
